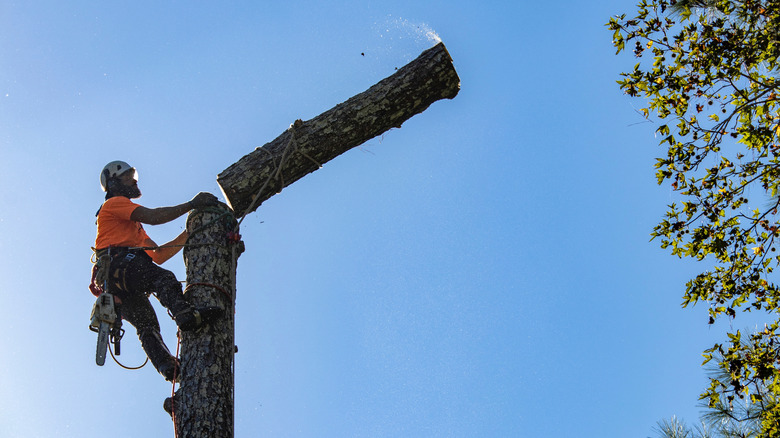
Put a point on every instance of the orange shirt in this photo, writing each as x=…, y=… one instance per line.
x=114, y=227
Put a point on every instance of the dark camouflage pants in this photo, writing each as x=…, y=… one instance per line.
x=133, y=277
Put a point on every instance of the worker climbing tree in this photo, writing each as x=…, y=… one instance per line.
x=127, y=270
x=203, y=405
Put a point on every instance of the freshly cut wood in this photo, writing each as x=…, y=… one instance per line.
x=307, y=145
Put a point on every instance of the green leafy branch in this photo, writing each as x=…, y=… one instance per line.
x=710, y=67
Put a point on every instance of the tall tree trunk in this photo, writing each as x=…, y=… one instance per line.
x=203, y=405
x=306, y=146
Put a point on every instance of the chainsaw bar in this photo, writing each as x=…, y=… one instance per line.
x=102, y=344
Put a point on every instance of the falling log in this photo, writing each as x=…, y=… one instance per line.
x=304, y=147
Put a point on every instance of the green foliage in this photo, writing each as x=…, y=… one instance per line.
x=734, y=415
x=708, y=70
x=675, y=428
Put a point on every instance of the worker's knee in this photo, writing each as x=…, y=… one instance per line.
x=150, y=331
x=166, y=282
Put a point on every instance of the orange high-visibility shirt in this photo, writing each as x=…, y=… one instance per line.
x=114, y=227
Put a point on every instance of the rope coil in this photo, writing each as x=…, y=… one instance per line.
x=110, y=350
x=276, y=172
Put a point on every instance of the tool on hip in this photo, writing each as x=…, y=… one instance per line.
x=106, y=321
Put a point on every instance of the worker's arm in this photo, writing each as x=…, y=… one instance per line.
x=161, y=215
x=165, y=252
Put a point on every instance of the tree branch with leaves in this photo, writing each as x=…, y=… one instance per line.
x=708, y=70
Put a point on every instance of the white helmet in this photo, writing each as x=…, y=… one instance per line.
x=111, y=170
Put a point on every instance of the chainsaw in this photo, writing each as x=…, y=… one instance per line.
x=106, y=321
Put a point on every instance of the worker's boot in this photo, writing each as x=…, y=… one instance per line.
x=168, y=404
x=192, y=319
x=170, y=370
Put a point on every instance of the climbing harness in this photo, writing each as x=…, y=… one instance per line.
x=106, y=318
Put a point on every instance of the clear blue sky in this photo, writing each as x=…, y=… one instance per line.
x=484, y=271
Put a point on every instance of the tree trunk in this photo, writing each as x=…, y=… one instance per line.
x=306, y=146
x=203, y=405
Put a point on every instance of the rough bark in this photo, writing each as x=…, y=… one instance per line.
x=279, y=163
x=203, y=404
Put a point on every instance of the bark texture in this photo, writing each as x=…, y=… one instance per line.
x=304, y=148
x=203, y=404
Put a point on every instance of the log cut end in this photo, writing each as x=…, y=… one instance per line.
x=453, y=86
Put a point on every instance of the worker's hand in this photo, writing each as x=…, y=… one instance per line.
x=203, y=199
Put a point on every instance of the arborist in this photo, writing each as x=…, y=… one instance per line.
x=130, y=260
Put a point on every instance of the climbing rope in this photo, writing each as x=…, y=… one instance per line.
x=173, y=386
x=233, y=236
x=276, y=173
x=219, y=288
x=224, y=213
x=105, y=262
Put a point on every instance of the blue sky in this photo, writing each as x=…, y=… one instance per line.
x=485, y=270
